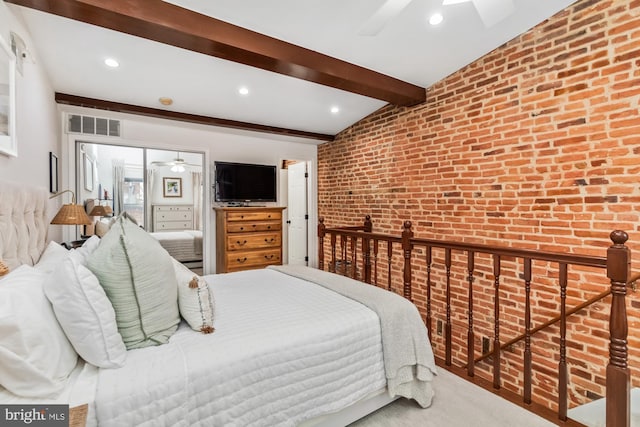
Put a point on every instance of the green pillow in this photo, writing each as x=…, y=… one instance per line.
x=138, y=278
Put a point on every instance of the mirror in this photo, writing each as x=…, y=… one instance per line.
x=162, y=191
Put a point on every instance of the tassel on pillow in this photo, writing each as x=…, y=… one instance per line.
x=4, y=269
x=207, y=329
x=193, y=284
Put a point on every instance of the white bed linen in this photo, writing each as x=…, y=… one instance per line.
x=284, y=351
x=79, y=390
x=183, y=245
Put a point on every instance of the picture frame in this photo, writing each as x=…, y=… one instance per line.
x=88, y=173
x=53, y=173
x=8, y=141
x=171, y=187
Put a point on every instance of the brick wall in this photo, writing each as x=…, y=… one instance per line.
x=535, y=145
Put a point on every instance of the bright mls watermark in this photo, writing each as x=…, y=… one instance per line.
x=34, y=415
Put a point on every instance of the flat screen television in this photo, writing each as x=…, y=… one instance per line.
x=242, y=182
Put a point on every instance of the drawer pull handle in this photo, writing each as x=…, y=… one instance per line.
x=241, y=260
x=268, y=256
x=269, y=216
x=241, y=216
x=270, y=240
x=241, y=228
x=269, y=227
x=243, y=243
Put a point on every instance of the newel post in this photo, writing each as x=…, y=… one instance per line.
x=618, y=375
x=321, y=233
x=407, y=235
x=368, y=225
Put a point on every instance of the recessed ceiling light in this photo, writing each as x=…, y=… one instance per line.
x=436, y=19
x=110, y=62
x=243, y=90
x=165, y=101
x=335, y=110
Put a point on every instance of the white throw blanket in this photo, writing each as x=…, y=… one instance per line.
x=408, y=357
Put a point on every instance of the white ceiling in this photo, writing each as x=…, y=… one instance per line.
x=407, y=48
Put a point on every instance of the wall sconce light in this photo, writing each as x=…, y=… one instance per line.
x=70, y=214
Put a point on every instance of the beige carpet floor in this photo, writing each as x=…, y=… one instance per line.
x=457, y=403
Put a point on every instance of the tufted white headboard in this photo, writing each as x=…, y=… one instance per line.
x=23, y=223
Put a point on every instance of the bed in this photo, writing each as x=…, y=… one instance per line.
x=185, y=245
x=292, y=346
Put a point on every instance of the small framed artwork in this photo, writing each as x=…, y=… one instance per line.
x=8, y=143
x=172, y=187
x=53, y=173
x=88, y=173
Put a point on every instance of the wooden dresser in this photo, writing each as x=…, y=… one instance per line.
x=248, y=238
x=172, y=217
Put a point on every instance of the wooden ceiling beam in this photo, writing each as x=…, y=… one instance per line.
x=167, y=23
x=81, y=101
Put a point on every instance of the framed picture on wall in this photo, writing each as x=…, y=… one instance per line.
x=172, y=187
x=8, y=143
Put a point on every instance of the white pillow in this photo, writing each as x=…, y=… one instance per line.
x=35, y=355
x=85, y=312
x=87, y=248
x=196, y=303
x=51, y=257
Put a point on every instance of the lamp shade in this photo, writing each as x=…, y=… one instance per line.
x=99, y=210
x=71, y=215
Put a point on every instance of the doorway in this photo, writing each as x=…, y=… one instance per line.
x=297, y=215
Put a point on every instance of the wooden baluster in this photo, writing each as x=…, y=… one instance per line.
x=343, y=254
x=366, y=259
x=389, y=255
x=429, y=319
x=375, y=261
x=447, y=325
x=321, y=233
x=332, y=267
x=407, y=234
x=470, y=335
x=496, y=322
x=562, y=364
x=527, y=331
x=618, y=375
x=354, y=258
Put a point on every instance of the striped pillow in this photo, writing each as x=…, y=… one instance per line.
x=138, y=278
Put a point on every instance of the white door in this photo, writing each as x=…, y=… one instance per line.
x=297, y=210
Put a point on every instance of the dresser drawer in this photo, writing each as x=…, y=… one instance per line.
x=169, y=208
x=248, y=227
x=173, y=225
x=254, y=216
x=247, y=260
x=173, y=216
x=241, y=241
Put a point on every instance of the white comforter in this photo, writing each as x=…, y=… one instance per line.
x=265, y=365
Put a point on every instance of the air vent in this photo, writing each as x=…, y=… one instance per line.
x=93, y=125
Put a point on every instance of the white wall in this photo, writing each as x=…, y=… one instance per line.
x=37, y=119
x=215, y=143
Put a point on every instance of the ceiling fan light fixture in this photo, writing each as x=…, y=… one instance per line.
x=177, y=168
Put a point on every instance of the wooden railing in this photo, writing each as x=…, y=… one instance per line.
x=345, y=241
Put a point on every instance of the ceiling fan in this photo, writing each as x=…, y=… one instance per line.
x=177, y=165
x=491, y=12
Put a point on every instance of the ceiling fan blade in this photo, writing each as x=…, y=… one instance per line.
x=493, y=11
x=389, y=10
